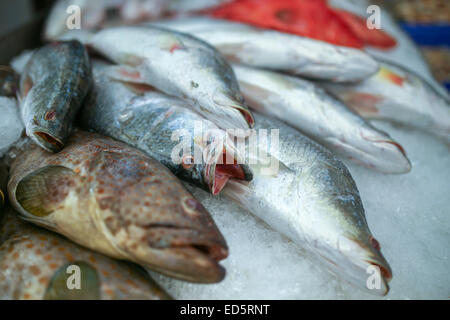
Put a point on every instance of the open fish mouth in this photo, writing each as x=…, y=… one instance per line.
x=247, y=116
x=218, y=174
x=194, y=260
x=47, y=141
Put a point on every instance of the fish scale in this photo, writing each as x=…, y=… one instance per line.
x=52, y=87
x=113, y=199
x=312, y=198
x=33, y=264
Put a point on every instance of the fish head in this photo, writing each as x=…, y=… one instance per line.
x=234, y=112
x=336, y=229
x=382, y=152
x=222, y=162
x=155, y=219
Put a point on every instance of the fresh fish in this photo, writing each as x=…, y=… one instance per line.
x=37, y=264
x=150, y=120
x=111, y=198
x=103, y=13
x=176, y=64
x=91, y=14
x=400, y=96
x=9, y=82
x=3, y=183
x=405, y=54
x=313, y=200
x=52, y=87
x=279, y=51
x=306, y=107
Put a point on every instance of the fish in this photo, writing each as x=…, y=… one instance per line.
x=305, y=106
x=93, y=15
x=113, y=199
x=269, y=49
x=3, y=184
x=303, y=191
x=9, y=82
x=52, y=87
x=36, y=264
x=176, y=64
x=406, y=53
x=400, y=96
x=150, y=120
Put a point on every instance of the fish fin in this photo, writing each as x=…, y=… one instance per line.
x=126, y=74
x=41, y=192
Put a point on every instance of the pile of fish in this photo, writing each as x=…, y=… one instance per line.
x=108, y=109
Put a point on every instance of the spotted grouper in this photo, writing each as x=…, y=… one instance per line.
x=113, y=199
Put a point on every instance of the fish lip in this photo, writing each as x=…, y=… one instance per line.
x=191, y=263
x=46, y=140
x=211, y=174
x=397, y=158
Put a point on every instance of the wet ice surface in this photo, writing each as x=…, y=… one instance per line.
x=409, y=215
x=10, y=123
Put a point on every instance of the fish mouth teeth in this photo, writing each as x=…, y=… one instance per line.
x=48, y=141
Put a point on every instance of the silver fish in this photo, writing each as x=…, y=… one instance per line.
x=313, y=200
x=112, y=198
x=176, y=64
x=37, y=264
x=148, y=121
x=398, y=95
x=306, y=107
x=279, y=51
x=52, y=87
x=405, y=54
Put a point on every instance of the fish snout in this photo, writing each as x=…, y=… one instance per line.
x=369, y=268
x=389, y=156
x=190, y=254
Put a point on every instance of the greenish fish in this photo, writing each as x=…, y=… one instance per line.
x=114, y=199
x=37, y=264
x=160, y=126
x=176, y=64
x=303, y=191
x=53, y=85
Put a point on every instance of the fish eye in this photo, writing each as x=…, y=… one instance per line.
x=187, y=162
x=374, y=243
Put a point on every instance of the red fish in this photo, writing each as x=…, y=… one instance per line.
x=313, y=19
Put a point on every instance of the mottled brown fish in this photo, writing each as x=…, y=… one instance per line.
x=52, y=88
x=38, y=264
x=114, y=199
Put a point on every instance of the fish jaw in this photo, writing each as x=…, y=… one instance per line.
x=46, y=140
x=193, y=261
x=373, y=149
x=354, y=261
x=225, y=166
